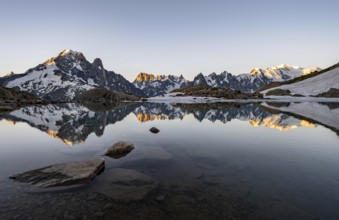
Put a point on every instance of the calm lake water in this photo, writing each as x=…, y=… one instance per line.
x=212, y=161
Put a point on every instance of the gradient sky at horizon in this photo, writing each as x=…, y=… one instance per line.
x=171, y=37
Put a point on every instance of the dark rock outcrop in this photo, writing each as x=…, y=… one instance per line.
x=102, y=95
x=11, y=99
x=207, y=91
x=331, y=93
x=278, y=92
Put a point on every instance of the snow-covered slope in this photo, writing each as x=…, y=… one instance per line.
x=314, y=85
x=67, y=75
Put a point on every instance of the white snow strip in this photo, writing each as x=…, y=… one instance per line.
x=313, y=86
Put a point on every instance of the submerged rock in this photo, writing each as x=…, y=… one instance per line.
x=119, y=149
x=154, y=130
x=149, y=156
x=63, y=174
x=126, y=185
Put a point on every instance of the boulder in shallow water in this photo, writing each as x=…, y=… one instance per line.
x=119, y=149
x=126, y=185
x=63, y=174
x=154, y=130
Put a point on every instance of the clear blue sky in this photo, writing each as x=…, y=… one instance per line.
x=171, y=37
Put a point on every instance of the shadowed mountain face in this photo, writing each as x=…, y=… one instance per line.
x=73, y=123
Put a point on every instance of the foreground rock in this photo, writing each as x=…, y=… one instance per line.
x=120, y=149
x=126, y=185
x=63, y=174
x=154, y=130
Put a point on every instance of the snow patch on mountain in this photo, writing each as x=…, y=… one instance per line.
x=314, y=85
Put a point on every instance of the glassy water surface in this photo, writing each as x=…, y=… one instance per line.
x=212, y=161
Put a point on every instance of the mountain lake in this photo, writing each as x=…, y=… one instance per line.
x=209, y=161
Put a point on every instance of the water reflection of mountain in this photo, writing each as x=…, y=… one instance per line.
x=160, y=111
x=225, y=112
x=326, y=114
x=73, y=123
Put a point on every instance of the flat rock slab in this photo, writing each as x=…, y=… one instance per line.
x=63, y=174
x=126, y=185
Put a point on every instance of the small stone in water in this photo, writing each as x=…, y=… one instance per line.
x=154, y=130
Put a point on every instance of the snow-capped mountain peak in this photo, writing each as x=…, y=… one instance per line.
x=257, y=71
x=8, y=74
x=68, y=51
x=282, y=72
x=67, y=75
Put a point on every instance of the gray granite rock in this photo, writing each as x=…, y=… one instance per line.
x=63, y=174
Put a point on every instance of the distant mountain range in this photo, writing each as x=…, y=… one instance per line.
x=247, y=82
x=69, y=74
